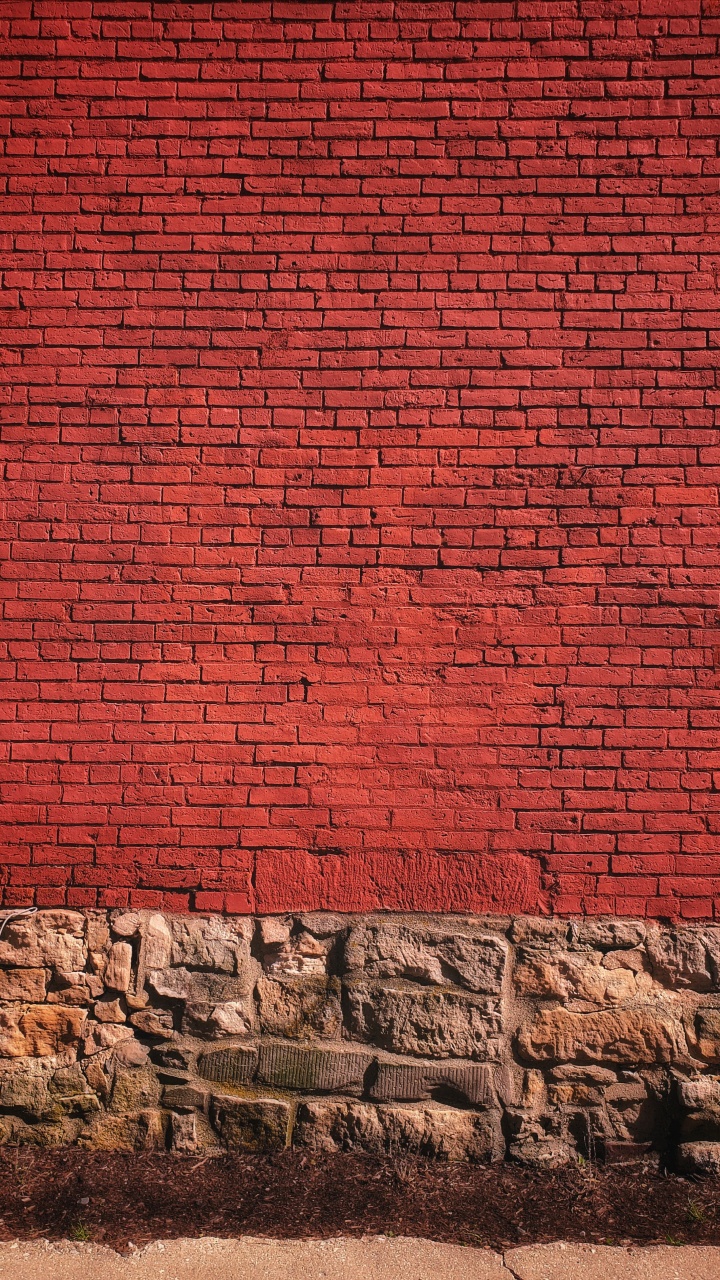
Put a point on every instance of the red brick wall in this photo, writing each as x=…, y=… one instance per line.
x=359, y=424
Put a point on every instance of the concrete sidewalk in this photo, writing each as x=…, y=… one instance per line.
x=375, y=1258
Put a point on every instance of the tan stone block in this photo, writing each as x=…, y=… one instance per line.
x=39, y=1030
x=330, y=1125
x=108, y=1011
x=156, y=946
x=300, y=1008
x=429, y=1022
x=312, y=1070
x=134, y=1089
x=631, y=1037
x=425, y=952
x=216, y=944
x=119, y=966
x=22, y=984
x=251, y=1124
x=708, y=1034
x=568, y=975
x=235, y=1065
x=50, y=939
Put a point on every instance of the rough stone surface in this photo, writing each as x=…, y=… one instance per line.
x=37, y=1031
x=229, y=1066
x=424, y=1021
x=423, y=1130
x=639, y=1036
x=466, y=1039
x=427, y=954
x=708, y=1034
x=699, y=1158
x=251, y=1124
x=303, y=1007
x=412, y=1081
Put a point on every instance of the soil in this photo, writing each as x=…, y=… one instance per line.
x=123, y=1199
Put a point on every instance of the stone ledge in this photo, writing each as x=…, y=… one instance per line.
x=471, y=1038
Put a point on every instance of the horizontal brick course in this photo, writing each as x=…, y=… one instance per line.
x=359, y=423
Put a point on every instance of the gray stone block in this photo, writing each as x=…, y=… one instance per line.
x=312, y=1070
x=417, y=1081
x=229, y=1066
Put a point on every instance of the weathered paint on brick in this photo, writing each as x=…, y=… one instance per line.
x=358, y=415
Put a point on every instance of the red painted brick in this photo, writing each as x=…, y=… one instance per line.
x=359, y=418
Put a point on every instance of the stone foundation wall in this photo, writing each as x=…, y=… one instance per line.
x=537, y=1039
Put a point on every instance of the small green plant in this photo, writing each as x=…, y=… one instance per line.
x=79, y=1232
x=581, y=1162
x=475, y=1238
x=672, y=1240
x=695, y=1211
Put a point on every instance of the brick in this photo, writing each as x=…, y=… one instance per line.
x=360, y=453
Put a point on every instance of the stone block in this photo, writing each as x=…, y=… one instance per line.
x=101, y=1036
x=684, y=957
x=630, y=1037
x=184, y=1097
x=130, y=1053
x=423, y=1021
x=119, y=967
x=50, y=940
x=694, y=1095
x=707, y=1026
x=213, y=1021
x=174, y=1057
x=24, y=1090
x=321, y=1070
x=236, y=1065
x=183, y=1133
x=125, y=924
x=198, y=987
x=329, y=1125
x=427, y=954
x=533, y=931
x=156, y=943
x=608, y=934
x=138, y=1131
x=420, y=1081
x=39, y=1030
x=251, y=1124
x=213, y=943
x=157, y=1023
x=134, y=1089
x=28, y=985
x=108, y=1011
x=299, y=1008
x=300, y=953
x=575, y=975
x=699, y=1158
